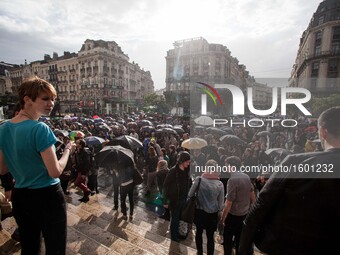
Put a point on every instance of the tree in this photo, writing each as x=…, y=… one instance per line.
x=319, y=104
x=170, y=98
x=155, y=103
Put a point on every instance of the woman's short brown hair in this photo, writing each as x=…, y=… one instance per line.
x=33, y=87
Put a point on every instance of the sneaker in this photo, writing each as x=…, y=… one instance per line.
x=124, y=217
x=115, y=208
x=93, y=193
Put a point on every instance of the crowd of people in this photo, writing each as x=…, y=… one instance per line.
x=236, y=203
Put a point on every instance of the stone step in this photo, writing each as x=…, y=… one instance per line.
x=94, y=228
x=86, y=238
x=10, y=247
x=105, y=184
x=128, y=230
x=7, y=245
x=150, y=222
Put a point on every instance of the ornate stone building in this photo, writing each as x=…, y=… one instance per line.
x=317, y=64
x=195, y=60
x=99, y=78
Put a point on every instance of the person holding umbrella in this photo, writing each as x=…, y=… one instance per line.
x=126, y=188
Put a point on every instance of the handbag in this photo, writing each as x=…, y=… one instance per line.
x=188, y=211
x=137, y=177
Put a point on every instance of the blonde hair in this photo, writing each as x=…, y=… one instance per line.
x=162, y=165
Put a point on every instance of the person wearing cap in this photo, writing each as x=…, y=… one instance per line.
x=175, y=190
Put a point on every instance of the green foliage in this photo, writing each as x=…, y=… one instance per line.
x=155, y=103
x=319, y=104
x=170, y=97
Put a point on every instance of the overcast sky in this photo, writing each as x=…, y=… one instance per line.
x=264, y=34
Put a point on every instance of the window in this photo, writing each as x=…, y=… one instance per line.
x=321, y=20
x=314, y=83
x=333, y=65
x=317, y=51
x=335, y=47
x=315, y=69
x=318, y=38
x=336, y=34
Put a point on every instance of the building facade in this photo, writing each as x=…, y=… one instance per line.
x=97, y=79
x=317, y=64
x=262, y=96
x=195, y=60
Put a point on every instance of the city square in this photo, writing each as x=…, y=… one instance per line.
x=108, y=148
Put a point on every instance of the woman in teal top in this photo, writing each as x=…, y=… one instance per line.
x=27, y=151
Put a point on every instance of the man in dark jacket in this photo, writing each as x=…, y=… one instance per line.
x=175, y=191
x=298, y=210
x=83, y=165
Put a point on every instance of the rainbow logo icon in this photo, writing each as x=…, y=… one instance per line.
x=211, y=93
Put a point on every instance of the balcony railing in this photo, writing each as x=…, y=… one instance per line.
x=319, y=55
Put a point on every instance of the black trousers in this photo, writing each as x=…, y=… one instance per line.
x=41, y=212
x=124, y=192
x=207, y=221
x=232, y=228
x=116, y=186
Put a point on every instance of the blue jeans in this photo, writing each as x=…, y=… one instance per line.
x=41, y=212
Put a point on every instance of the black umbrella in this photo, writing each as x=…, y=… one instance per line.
x=264, y=133
x=114, y=156
x=277, y=153
x=178, y=129
x=216, y=131
x=94, y=140
x=126, y=141
x=228, y=130
x=160, y=126
x=144, y=123
x=199, y=128
x=166, y=131
x=61, y=132
x=147, y=129
x=104, y=127
x=232, y=140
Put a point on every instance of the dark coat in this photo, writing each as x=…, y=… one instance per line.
x=176, y=186
x=83, y=161
x=298, y=212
